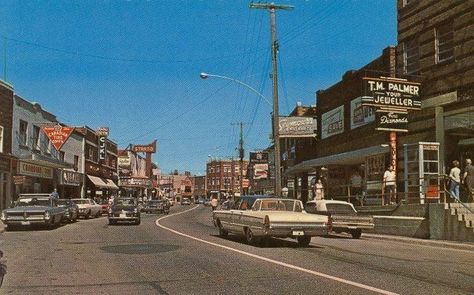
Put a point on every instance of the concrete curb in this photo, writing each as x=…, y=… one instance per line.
x=437, y=243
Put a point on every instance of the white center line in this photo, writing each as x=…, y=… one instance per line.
x=287, y=265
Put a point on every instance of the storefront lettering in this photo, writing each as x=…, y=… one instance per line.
x=102, y=148
x=393, y=118
x=35, y=170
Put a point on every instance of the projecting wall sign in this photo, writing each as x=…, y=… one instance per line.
x=391, y=93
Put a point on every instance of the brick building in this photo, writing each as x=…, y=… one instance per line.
x=223, y=176
x=6, y=159
x=199, y=184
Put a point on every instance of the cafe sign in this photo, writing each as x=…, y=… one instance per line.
x=391, y=93
x=392, y=121
x=71, y=178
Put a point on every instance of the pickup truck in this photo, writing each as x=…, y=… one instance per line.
x=344, y=216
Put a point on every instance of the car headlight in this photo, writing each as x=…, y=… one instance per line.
x=4, y=216
x=135, y=210
x=46, y=215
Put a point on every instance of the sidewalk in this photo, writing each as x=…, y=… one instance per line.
x=437, y=243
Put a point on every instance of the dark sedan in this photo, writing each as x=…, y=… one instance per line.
x=157, y=206
x=124, y=210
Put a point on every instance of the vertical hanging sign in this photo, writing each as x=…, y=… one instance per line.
x=393, y=149
x=102, y=133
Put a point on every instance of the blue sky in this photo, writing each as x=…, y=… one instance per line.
x=134, y=65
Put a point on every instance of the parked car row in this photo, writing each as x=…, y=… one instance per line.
x=258, y=218
x=45, y=210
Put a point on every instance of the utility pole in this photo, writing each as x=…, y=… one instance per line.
x=272, y=7
x=241, y=156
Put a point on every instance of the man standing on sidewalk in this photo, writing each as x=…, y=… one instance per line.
x=468, y=179
x=389, y=186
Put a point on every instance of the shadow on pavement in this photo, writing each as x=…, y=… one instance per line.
x=267, y=243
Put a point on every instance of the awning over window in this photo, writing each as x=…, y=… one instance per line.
x=347, y=158
x=102, y=182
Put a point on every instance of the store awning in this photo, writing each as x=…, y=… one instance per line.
x=102, y=182
x=347, y=158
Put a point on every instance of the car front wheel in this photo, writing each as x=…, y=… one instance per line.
x=250, y=238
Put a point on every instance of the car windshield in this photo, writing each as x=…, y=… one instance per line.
x=33, y=202
x=81, y=201
x=124, y=202
x=62, y=202
x=279, y=205
x=340, y=209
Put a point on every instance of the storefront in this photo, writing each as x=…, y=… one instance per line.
x=100, y=188
x=37, y=178
x=135, y=187
x=5, y=181
x=70, y=184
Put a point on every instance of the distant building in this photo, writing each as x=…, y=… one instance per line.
x=223, y=177
x=133, y=178
x=199, y=184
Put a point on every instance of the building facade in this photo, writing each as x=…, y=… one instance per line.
x=223, y=177
x=6, y=159
x=199, y=187
x=38, y=161
x=100, y=164
x=133, y=178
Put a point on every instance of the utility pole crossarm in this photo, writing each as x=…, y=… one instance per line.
x=270, y=6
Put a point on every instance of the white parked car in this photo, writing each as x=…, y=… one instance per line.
x=88, y=208
x=260, y=217
x=344, y=216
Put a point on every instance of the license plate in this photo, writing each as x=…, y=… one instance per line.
x=298, y=233
x=25, y=223
x=123, y=215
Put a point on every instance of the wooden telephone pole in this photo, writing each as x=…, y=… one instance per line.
x=272, y=7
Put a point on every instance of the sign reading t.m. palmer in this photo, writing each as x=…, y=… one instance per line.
x=332, y=122
x=391, y=93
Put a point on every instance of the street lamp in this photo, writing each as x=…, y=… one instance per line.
x=276, y=139
x=204, y=76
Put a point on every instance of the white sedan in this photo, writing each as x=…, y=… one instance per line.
x=260, y=217
x=88, y=208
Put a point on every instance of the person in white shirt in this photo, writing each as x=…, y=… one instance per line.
x=389, y=186
x=455, y=180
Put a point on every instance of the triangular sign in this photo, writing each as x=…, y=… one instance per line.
x=58, y=135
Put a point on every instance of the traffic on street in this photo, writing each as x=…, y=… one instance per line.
x=182, y=253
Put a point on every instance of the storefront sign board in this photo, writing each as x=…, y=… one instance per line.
x=360, y=114
x=297, y=127
x=391, y=93
x=332, y=122
x=150, y=148
x=259, y=157
x=33, y=170
x=392, y=121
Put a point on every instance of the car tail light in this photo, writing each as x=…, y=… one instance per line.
x=266, y=222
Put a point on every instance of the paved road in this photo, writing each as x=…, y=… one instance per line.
x=91, y=257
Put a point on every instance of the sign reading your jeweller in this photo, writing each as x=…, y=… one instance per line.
x=391, y=94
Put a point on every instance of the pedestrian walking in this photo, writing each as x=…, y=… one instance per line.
x=389, y=186
x=468, y=179
x=318, y=190
x=3, y=267
x=214, y=203
x=454, y=180
x=55, y=194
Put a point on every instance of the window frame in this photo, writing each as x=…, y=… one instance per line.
x=447, y=45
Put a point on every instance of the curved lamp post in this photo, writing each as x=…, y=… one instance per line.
x=206, y=75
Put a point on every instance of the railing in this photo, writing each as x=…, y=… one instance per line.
x=433, y=189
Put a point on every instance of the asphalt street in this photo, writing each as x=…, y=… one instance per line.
x=181, y=253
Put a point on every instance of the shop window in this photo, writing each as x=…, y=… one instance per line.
x=35, y=139
x=1, y=139
x=444, y=42
x=23, y=132
x=76, y=163
x=411, y=56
